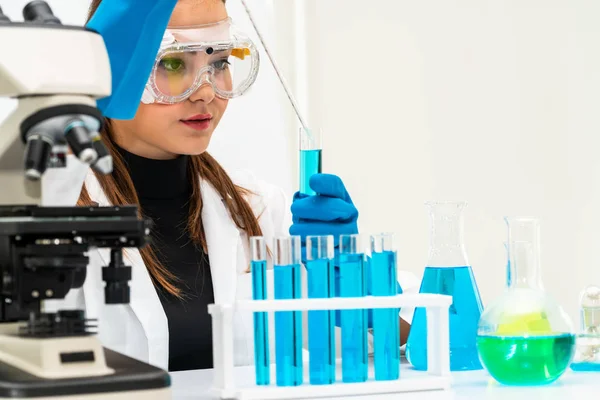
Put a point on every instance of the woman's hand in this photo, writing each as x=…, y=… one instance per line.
x=329, y=212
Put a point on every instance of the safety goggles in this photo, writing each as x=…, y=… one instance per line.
x=217, y=54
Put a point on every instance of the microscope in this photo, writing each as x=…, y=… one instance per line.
x=56, y=73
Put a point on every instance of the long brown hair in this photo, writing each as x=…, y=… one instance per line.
x=119, y=190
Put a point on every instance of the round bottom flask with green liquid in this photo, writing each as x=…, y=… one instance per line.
x=524, y=338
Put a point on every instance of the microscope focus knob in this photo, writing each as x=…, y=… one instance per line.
x=117, y=276
x=117, y=280
x=40, y=11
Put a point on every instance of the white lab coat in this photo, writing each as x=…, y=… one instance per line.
x=140, y=329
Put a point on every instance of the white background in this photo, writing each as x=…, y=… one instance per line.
x=493, y=102
x=479, y=100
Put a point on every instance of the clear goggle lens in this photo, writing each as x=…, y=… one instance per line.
x=216, y=54
x=180, y=73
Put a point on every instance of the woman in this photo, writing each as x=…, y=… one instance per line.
x=203, y=217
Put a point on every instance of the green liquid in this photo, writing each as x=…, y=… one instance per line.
x=531, y=361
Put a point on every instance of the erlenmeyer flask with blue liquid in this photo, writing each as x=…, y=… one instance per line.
x=448, y=272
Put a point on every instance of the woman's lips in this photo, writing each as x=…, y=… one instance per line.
x=200, y=125
x=200, y=122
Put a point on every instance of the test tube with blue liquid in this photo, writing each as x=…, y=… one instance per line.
x=386, y=330
x=288, y=324
x=321, y=324
x=354, y=323
x=310, y=157
x=258, y=266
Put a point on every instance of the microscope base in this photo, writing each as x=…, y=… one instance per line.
x=132, y=379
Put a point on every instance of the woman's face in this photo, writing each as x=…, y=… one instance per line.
x=162, y=131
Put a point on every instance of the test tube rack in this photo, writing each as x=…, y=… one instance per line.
x=437, y=376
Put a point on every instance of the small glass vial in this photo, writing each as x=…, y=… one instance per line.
x=587, y=352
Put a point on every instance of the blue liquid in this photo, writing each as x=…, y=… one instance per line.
x=310, y=164
x=386, y=331
x=321, y=324
x=465, y=311
x=585, y=367
x=288, y=327
x=261, y=324
x=353, y=283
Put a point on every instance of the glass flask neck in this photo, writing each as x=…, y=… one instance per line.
x=446, y=247
x=524, y=254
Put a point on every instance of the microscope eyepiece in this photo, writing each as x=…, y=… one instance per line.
x=39, y=11
x=3, y=18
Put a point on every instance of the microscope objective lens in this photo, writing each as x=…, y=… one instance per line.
x=3, y=18
x=37, y=155
x=40, y=12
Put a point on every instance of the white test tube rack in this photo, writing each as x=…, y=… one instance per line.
x=437, y=376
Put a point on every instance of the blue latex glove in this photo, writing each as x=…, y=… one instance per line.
x=329, y=212
x=132, y=31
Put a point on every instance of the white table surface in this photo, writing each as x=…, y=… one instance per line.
x=475, y=385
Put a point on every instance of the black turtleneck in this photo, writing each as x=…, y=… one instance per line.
x=164, y=190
